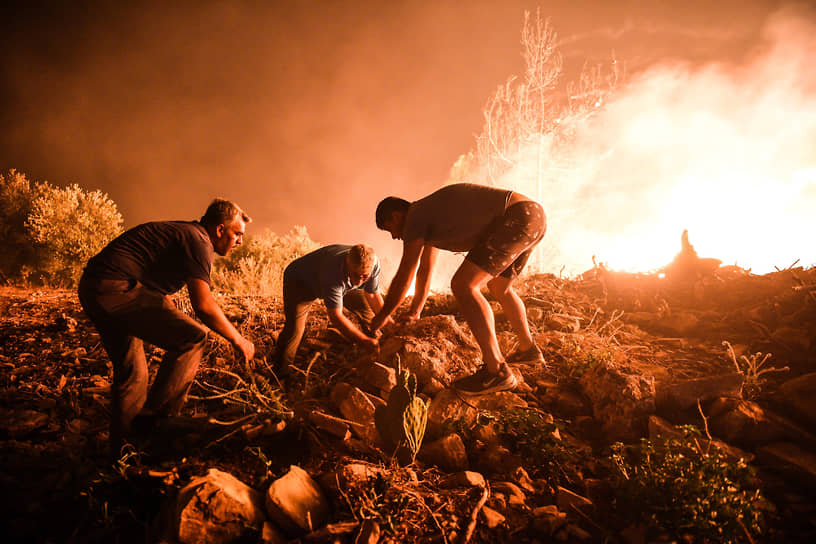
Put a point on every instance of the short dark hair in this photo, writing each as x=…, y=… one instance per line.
x=387, y=207
x=222, y=211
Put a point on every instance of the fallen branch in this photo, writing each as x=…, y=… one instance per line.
x=309, y=368
x=474, y=516
x=421, y=501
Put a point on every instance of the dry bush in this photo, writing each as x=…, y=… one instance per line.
x=16, y=195
x=48, y=233
x=69, y=226
x=256, y=267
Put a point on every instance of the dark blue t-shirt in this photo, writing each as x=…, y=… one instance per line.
x=161, y=255
x=323, y=273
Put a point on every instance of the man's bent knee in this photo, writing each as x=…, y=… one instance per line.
x=196, y=341
x=500, y=286
x=460, y=286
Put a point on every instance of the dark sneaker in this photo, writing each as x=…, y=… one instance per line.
x=483, y=382
x=532, y=355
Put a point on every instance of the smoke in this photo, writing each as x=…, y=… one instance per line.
x=308, y=113
x=725, y=151
x=305, y=113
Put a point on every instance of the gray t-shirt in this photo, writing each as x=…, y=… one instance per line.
x=456, y=216
x=162, y=255
x=323, y=273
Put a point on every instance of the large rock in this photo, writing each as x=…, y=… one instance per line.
x=622, y=398
x=357, y=407
x=433, y=348
x=448, y=408
x=748, y=424
x=677, y=324
x=790, y=460
x=448, y=453
x=379, y=377
x=218, y=508
x=296, y=503
x=561, y=399
x=349, y=475
x=661, y=428
x=797, y=397
x=683, y=395
x=331, y=424
x=743, y=422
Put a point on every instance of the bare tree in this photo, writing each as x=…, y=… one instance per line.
x=520, y=110
x=535, y=113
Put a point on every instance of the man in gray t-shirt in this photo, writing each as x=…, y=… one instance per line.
x=328, y=273
x=498, y=229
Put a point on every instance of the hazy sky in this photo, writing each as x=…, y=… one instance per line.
x=303, y=112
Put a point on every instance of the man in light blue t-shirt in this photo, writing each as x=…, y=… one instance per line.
x=327, y=273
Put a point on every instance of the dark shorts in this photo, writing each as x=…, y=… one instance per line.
x=508, y=243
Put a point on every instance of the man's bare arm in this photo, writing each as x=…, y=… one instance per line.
x=348, y=328
x=423, y=280
x=402, y=281
x=208, y=310
x=375, y=302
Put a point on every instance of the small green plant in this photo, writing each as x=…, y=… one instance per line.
x=578, y=361
x=465, y=428
x=675, y=487
x=534, y=436
x=752, y=369
x=402, y=421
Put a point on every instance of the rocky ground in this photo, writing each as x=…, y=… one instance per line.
x=281, y=455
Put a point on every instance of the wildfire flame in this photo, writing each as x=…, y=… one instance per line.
x=727, y=153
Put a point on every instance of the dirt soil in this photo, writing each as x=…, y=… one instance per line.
x=59, y=484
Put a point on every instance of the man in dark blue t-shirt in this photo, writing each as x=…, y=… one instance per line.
x=124, y=291
x=327, y=273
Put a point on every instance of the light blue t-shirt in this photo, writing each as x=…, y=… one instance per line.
x=323, y=272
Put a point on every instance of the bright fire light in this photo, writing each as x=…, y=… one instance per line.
x=728, y=154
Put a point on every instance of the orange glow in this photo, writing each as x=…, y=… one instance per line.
x=728, y=154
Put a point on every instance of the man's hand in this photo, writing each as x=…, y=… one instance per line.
x=371, y=343
x=245, y=349
x=377, y=322
x=410, y=318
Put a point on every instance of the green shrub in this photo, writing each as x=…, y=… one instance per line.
x=68, y=226
x=256, y=266
x=535, y=437
x=674, y=487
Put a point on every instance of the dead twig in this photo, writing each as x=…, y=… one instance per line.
x=474, y=516
x=616, y=314
x=587, y=518
x=215, y=421
x=591, y=321
x=309, y=368
x=421, y=501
